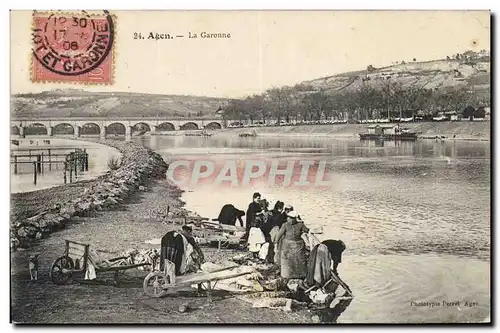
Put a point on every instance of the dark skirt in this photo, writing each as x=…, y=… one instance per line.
x=293, y=259
x=172, y=248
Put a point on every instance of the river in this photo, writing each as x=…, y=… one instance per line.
x=415, y=217
x=22, y=181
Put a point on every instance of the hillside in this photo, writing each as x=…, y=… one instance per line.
x=468, y=70
x=79, y=103
x=473, y=73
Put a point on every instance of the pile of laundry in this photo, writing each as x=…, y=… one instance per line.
x=143, y=256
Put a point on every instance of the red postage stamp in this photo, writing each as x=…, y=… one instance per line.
x=73, y=48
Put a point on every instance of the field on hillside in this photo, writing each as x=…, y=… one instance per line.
x=79, y=103
x=431, y=74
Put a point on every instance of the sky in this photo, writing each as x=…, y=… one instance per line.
x=266, y=49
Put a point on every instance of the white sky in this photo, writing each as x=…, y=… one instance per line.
x=267, y=48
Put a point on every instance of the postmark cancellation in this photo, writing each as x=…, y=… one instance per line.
x=73, y=47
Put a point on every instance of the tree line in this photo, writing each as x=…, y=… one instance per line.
x=388, y=100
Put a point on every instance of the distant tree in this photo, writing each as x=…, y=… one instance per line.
x=480, y=112
x=319, y=104
x=370, y=68
x=414, y=59
x=447, y=57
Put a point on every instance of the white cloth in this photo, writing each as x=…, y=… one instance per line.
x=186, y=257
x=94, y=259
x=318, y=296
x=313, y=241
x=90, y=272
x=263, y=251
x=255, y=239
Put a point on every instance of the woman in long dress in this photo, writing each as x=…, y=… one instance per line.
x=293, y=248
x=323, y=261
x=273, y=226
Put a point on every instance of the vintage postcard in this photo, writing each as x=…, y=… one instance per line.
x=250, y=167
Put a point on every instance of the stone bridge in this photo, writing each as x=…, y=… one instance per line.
x=107, y=126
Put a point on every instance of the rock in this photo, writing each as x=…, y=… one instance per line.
x=22, y=232
x=14, y=243
x=68, y=209
x=38, y=235
x=109, y=202
x=142, y=188
x=184, y=308
x=34, y=219
x=98, y=205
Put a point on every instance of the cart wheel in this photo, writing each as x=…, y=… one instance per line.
x=155, y=284
x=60, y=271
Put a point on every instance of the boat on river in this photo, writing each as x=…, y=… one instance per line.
x=388, y=132
x=198, y=133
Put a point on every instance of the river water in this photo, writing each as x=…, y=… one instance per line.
x=23, y=181
x=415, y=216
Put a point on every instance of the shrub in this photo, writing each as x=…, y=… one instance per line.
x=113, y=163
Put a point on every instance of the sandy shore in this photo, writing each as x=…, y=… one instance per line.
x=138, y=218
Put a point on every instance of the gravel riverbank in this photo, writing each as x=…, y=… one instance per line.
x=140, y=215
x=35, y=214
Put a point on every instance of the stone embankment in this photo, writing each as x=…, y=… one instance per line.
x=138, y=165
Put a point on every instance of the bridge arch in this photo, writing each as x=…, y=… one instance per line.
x=90, y=129
x=143, y=127
x=116, y=129
x=63, y=129
x=165, y=127
x=189, y=126
x=213, y=125
x=14, y=130
x=35, y=129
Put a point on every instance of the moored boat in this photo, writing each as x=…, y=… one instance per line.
x=388, y=132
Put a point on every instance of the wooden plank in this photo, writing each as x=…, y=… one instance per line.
x=196, y=278
x=119, y=267
x=72, y=242
x=223, y=227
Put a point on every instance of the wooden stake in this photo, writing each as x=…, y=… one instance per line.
x=34, y=173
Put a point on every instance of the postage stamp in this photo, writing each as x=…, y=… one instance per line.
x=72, y=47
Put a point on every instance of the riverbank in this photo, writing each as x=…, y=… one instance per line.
x=38, y=213
x=458, y=130
x=139, y=216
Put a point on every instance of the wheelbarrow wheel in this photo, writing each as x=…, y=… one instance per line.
x=61, y=270
x=155, y=284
